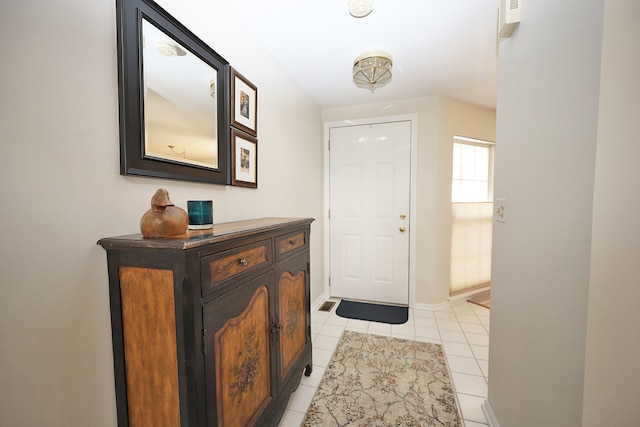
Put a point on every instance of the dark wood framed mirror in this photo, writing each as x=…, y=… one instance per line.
x=173, y=98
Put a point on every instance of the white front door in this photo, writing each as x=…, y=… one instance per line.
x=369, y=189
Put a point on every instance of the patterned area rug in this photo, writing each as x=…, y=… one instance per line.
x=379, y=381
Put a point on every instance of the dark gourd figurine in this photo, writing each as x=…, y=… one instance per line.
x=163, y=219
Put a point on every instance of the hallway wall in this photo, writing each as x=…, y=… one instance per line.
x=612, y=372
x=547, y=131
x=61, y=191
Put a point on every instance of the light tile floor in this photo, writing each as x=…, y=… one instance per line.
x=462, y=330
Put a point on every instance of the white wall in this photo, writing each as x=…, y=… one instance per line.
x=439, y=119
x=612, y=371
x=61, y=191
x=547, y=115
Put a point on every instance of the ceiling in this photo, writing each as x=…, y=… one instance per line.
x=439, y=47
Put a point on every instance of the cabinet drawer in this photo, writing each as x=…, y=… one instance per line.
x=223, y=267
x=289, y=244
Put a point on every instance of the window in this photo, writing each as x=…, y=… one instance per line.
x=471, y=214
x=472, y=170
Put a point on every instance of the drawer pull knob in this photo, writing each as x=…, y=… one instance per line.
x=244, y=261
x=293, y=242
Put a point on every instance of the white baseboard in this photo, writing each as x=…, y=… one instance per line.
x=451, y=301
x=488, y=412
x=432, y=307
x=456, y=298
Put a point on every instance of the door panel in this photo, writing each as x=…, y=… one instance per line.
x=369, y=193
x=238, y=354
x=294, y=335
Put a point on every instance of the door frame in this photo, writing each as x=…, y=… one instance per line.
x=326, y=201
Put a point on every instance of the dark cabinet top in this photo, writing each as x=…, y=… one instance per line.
x=196, y=238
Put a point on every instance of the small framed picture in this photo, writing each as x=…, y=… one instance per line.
x=244, y=159
x=244, y=104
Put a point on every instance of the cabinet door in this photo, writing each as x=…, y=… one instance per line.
x=293, y=300
x=239, y=385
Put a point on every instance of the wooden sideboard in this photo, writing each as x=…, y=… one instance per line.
x=212, y=329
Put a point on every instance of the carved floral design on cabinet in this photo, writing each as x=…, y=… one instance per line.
x=293, y=317
x=245, y=372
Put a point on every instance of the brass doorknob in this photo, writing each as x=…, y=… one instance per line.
x=402, y=229
x=403, y=217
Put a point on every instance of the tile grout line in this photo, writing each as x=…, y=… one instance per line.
x=469, y=344
x=475, y=358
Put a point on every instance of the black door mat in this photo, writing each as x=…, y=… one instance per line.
x=373, y=312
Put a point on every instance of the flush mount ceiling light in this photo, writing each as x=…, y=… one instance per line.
x=360, y=8
x=212, y=88
x=372, y=70
x=169, y=49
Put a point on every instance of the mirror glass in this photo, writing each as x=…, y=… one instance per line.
x=180, y=102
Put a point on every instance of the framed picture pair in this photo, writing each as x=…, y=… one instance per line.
x=244, y=131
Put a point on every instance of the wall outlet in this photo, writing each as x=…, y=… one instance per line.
x=500, y=211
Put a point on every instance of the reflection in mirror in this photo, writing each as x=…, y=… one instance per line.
x=180, y=106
